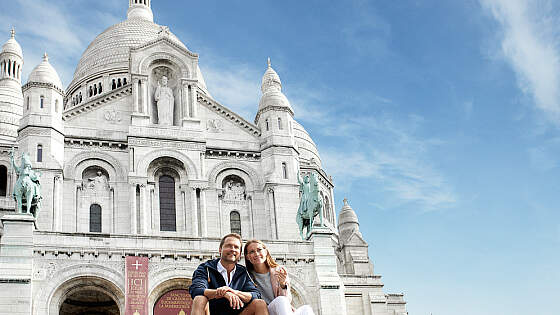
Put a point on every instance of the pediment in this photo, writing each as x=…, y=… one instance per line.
x=96, y=102
x=228, y=115
x=164, y=40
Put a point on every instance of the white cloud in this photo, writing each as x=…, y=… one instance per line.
x=55, y=29
x=531, y=44
x=235, y=86
x=388, y=153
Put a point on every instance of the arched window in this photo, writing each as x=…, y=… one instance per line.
x=124, y=81
x=327, y=210
x=39, y=153
x=3, y=180
x=167, y=213
x=266, y=123
x=27, y=103
x=95, y=89
x=284, y=170
x=235, y=222
x=114, y=85
x=280, y=127
x=80, y=98
x=42, y=102
x=100, y=88
x=56, y=109
x=95, y=218
x=119, y=83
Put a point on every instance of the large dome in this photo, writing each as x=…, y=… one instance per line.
x=111, y=49
x=307, y=148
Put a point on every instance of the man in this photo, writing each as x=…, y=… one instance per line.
x=225, y=285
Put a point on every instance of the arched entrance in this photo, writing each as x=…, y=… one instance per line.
x=89, y=302
x=87, y=295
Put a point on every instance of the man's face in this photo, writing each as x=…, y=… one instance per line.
x=231, y=250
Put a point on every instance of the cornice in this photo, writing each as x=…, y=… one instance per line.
x=29, y=85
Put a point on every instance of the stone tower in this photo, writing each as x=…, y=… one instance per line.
x=41, y=132
x=11, y=98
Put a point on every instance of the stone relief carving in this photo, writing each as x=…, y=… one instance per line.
x=234, y=189
x=112, y=116
x=215, y=125
x=97, y=182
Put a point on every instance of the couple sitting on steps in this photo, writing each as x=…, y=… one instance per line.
x=224, y=287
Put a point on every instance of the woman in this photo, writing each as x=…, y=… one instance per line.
x=271, y=279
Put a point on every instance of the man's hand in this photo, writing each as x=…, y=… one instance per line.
x=221, y=291
x=234, y=301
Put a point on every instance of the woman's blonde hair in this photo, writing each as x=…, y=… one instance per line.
x=270, y=262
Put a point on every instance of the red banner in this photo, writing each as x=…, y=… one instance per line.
x=136, y=292
x=176, y=302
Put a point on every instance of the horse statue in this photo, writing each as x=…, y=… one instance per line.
x=27, y=190
x=310, y=204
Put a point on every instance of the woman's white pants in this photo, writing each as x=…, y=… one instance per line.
x=281, y=306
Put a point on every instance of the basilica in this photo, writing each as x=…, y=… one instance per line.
x=139, y=162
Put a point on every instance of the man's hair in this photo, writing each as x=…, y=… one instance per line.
x=235, y=235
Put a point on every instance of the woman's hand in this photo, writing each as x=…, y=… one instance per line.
x=282, y=275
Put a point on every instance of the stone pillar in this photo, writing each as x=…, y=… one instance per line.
x=144, y=217
x=135, y=95
x=144, y=93
x=192, y=101
x=16, y=264
x=133, y=213
x=195, y=219
x=204, y=223
x=331, y=288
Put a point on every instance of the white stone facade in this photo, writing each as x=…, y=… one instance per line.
x=100, y=144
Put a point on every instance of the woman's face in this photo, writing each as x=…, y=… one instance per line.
x=256, y=253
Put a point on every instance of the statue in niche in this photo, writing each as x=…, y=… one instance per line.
x=97, y=182
x=165, y=102
x=310, y=204
x=234, y=191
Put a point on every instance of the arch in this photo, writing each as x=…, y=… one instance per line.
x=146, y=63
x=165, y=280
x=100, y=88
x=48, y=300
x=251, y=177
x=124, y=81
x=113, y=85
x=81, y=161
x=299, y=287
x=42, y=102
x=143, y=165
x=56, y=106
x=285, y=170
x=280, y=127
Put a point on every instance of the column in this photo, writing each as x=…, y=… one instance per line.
x=144, y=218
x=56, y=205
x=77, y=212
x=113, y=210
x=134, y=95
x=204, y=224
x=144, y=93
x=192, y=101
x=195, y=221
x=133, y=214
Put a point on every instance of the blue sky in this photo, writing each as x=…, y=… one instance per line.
x=439, y=120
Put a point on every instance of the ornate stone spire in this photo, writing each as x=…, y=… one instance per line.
x=347, y=221
x=140, y=9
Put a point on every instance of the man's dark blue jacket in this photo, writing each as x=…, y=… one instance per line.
x=207, y=276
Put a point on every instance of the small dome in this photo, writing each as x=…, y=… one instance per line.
x=45, y=73
x=347, y=215
x=271, y=87
x=12, y=45
x=348, y=221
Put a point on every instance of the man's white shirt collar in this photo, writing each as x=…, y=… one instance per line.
x=223, y=271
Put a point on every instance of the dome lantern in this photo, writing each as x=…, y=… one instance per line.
x=140, y=9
